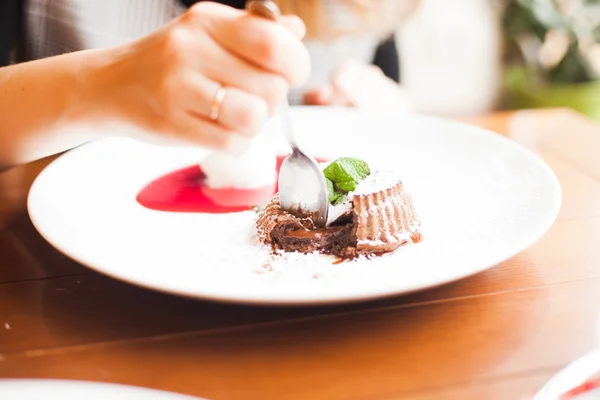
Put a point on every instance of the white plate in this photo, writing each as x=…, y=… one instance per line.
x=591, y=395
x=50, y=389
x=482, y=199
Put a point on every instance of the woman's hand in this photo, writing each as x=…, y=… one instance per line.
x=358, y=85
x=167, y=82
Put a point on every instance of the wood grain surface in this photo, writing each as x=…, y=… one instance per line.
x=497, y=335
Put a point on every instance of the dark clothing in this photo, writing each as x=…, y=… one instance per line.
x=386, y=56
x=233, y=3
x=10, y=16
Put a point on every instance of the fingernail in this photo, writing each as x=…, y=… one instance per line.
x=237, y=144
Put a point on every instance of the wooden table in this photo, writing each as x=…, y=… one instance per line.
x=498, y=335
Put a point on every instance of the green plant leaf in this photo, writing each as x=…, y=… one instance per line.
x=337, y=199
x=342, y=175
x=331, y=190
x=335, y=196
x=345, y=170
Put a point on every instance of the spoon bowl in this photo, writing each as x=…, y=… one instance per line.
x=302, y=186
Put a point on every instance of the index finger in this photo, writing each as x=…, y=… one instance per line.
x=273, y=46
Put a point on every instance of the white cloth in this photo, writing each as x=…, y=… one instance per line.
x=60, y=26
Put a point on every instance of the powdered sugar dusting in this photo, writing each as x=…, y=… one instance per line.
x=378, y=180
x=312, y=266
x=381, y=177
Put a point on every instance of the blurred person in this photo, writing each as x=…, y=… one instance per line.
x=449, y=54
x=344, y=38
x=351, y=42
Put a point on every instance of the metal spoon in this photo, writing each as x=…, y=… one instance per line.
x=302, y=187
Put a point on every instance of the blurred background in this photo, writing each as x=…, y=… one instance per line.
x=472, y=56
x=455, y=58
x=553, y=54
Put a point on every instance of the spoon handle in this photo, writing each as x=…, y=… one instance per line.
x=268, y=9
x=287, y=125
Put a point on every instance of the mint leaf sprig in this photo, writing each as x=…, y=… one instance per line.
x=342, y=176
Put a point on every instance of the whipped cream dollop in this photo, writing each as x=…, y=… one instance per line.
x=253, y=168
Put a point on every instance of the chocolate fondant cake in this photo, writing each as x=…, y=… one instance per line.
x=378, y=216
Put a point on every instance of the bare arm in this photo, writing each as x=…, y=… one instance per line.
x=163, y=84
x=39, y=98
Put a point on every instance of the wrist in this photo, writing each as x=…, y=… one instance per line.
x=98, y=78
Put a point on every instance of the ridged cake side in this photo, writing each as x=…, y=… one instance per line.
x=385, y=220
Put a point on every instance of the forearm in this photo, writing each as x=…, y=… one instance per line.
x=41, y=100
x=160, y=87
